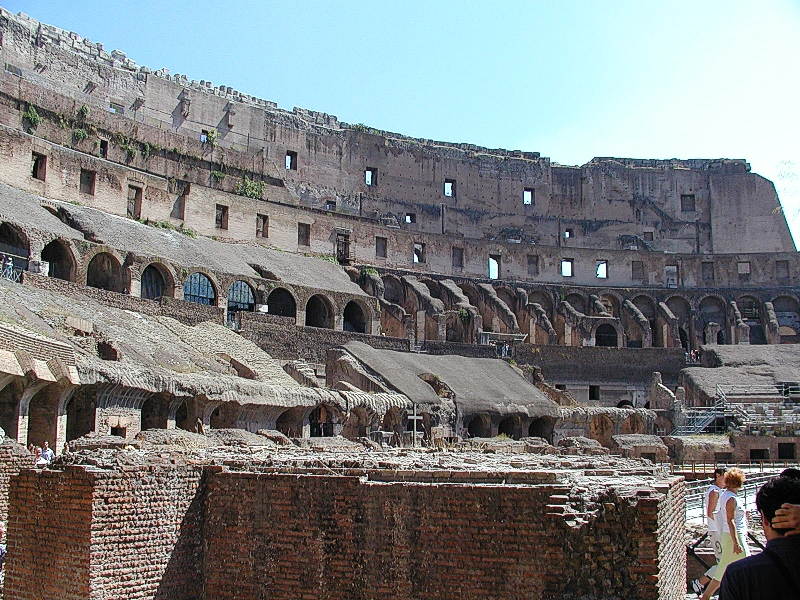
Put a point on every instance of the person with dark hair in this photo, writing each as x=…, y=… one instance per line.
x=711, y=504
x=772, y=574
x=788, y=515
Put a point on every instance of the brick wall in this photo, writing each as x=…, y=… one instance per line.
x=590, y=363
x=309, y=343
x=132, y=532
x=288, y=536
x=13, y=458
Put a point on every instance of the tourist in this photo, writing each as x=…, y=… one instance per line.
x=39, y=460
x=2, y=554
x=732, y=526
x=788, y=515
x=712, y=507
x=773, y=573
x=47, y=452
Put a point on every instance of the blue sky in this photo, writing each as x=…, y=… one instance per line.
x=570, y=79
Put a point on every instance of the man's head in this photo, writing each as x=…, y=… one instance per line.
x=46, y=444
x=719, y=476
x=772, y=494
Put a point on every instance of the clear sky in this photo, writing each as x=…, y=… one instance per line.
x=570, y=79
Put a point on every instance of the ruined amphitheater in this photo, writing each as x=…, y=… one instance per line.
x=283, y=356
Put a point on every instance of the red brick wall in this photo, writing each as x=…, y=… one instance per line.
x=13, y=458
x=285, y=536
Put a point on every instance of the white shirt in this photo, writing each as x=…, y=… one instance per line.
x=711, y=522
x=739, y=514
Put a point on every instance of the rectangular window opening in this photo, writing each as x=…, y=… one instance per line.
x=527, y=196
x=291, y=160
x=450, y=188
x=648, y=236
x=204, y=135
x=119, y=431
x=303, y=234
x=13, y=69
x=637, y=271
x=671, y=276
x=116, y=108
x=759, y=453
x=371, y=176
x=533, y=264
x=688, y=203
x=594, y=392
x=381, y=246
x=411, y=217
x=494, y=266
x=419, y=253
x=562, y=387
x=221, y=221
x=103, y=148
x=601, y=269
x=458, y=258
x=568, y=233
x=38, y=166
x=782, y=269
x=330, y=205
x=262, y=226
x=566, y=267
x=787, y=451
x=134, y=202
x=707, y=271
x=87, y=181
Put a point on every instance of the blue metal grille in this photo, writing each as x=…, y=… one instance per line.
x=198, y=289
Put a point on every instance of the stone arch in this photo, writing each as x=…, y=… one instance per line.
x=434, y=288
x=507, y=296
x=81, y=410
x=750, y=310
x=601, y=428
x=290, y=422
x=241, y=298
x=183, y=416
x=680, y=307
x=663, y=425
x=647, y=307
x=155, y=412
x=606, y=336
x=510, y=426
x=157, y=281
x=577, y=301
x=544, y=300
x=11, y=390
x=319, y=312
x=42, y=413
x=714, y=310
x=611, y=302
x=393, y=290
x=358, y=424
x=105, y=272
x=325, y=421
x=200, y=289
x=354, y=318
x=225, y=416
x=787, y=311
x=542, y=428
x=479, y=426
x=61, y=260
x=633, y=424
x=14, y=243
x=472, y=293
x=282, y=302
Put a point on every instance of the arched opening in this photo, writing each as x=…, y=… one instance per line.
x=225, y=416
x=10, y=396
x=155, y=412
x=325, y=421
x=605, y=336
x=577, y=302
x=434, y=288
x=601, y=428
x=318, y=313
x=507, y=297
x=104, y=272
x=712, y=310
x=357, y=424
x=542, y=428
x=182, y=420
x=240, y=299
x=633, y=424
x=81, y=413
x=542, y=300
x=509, y=427
x=14, y=244
x=648, y=308
x=280, y=302
x=60, y=259
x=290, y=422
x=354, y=318
x=199, y=289
x=750, y=309
x=392, y=290
x=684, y=338
x=479, y=426
x=153, y=284
x=786, y=311
x=611, y=305
x=43, y=417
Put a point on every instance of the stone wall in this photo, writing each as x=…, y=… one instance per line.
x=189, y=313
x=13, y=458
x=290, y=342
x=471, y=350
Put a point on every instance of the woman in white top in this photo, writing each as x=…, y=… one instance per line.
x=732, y=525
x=711, y=502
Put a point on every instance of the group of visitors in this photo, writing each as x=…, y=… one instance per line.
x=764, y=575
x=693, y=357
x=43, y=455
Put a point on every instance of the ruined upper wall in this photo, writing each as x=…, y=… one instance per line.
x=425, y=187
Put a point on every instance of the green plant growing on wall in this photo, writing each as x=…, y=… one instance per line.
x=212, y=136
x=250, y=188
x=79, y=134
x=31, y=118
x=359, y=127
x=218, y=176
x=365, y=274
x=147, y=150
x=463, y=315
x=83, y=112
